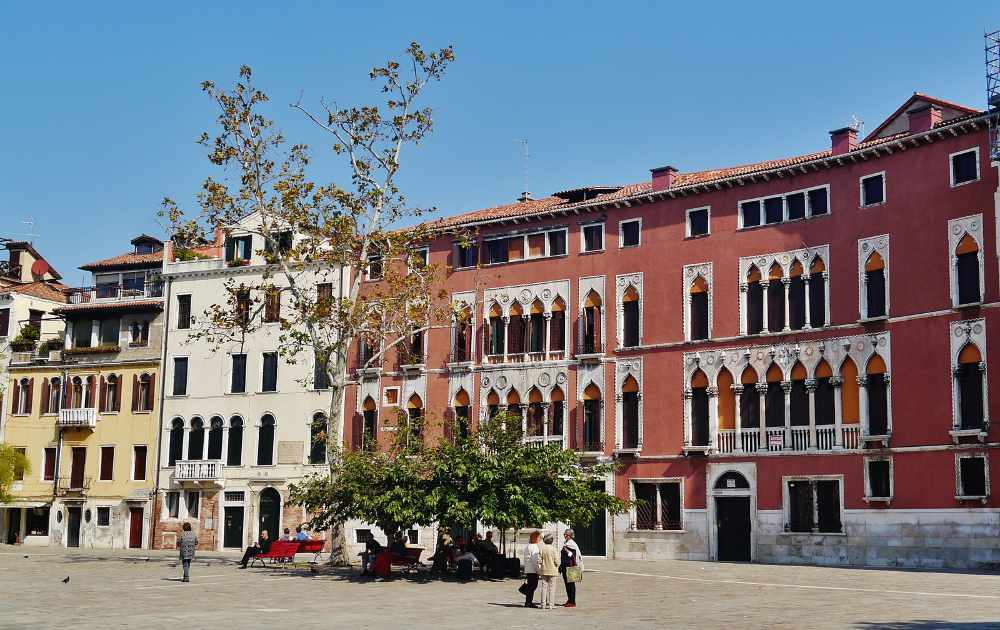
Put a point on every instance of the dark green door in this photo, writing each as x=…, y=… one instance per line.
x=592, y=536
x=232, y=535
x=270, y=513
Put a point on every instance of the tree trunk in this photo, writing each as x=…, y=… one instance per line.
x=335, y=438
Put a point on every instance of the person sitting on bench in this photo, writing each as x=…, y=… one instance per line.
x=262, y=545
x=398, y=546
x=372, y=549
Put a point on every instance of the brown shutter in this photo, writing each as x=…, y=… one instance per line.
x=135, y=392
x=486, y=338
x=16, y=396
x=103, y=404
x=44, y=407
x=31, y=388
x=67, y=398
x=151, y=392
x=357, y=431
x=91, y=384
x=118, y=392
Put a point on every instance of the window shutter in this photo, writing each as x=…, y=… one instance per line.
x=151, y=392
x=487, y=330
x=44, y=407
x=103, y=404
x=135, y=392
x=31, y=389
x=16, y=397
x=230, y=249
x=91, y=384
x=118, y=392
x=357, y=431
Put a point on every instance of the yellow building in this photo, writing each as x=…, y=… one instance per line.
x=86, y=415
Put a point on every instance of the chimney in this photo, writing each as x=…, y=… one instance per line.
x=843, y=140
x=923, y=118
x=525, y=196
x=663, y=177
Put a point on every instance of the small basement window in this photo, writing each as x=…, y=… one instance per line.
x=972, y=477
x=104, y=516
x=964, y=167
x=873, y=190
x=697, y=222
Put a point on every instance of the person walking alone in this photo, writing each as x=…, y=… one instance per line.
x=548, y=569
x=531, y=553
x=571, y=567
x=187, y=544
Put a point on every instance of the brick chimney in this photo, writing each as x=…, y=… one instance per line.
x=663, y=177
x=843, y=140
x=923, y=118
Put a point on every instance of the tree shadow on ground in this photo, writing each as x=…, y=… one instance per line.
x=929, y=624
x=352, y=575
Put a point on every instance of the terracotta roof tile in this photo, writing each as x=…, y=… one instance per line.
x=118, y=305
x=52, y=291
x=130, y=259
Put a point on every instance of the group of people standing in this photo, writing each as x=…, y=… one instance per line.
x=543, y=562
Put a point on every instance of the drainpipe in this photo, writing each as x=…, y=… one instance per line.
x=163, y=389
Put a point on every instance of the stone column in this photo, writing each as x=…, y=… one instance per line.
x=525, y=336
x=838, y=412
x=68, y=341
x=547, y=343
x=545, y=421
x=95, y=333
x=766, y=324
x=863, y=403
x=713, y=416
x=811, y=391
x=506, y=336
x=805, y=280
x=689, y=417
x=761, y=414
x=744, y=319
x=786, y=389
x=738, y=393
x=786, y=283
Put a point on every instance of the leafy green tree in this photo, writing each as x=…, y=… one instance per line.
x=13, y=465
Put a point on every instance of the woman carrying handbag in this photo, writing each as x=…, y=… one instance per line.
x=571, y=567
x=531, y=557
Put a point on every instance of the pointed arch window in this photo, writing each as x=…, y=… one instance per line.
x=415, y=417
x=774, y=400
x=536, y=414
x=877, y=393
x=775, y=299
x=234, y=444
x=557, y=411
x=196, y=440
x=630, y=318
x=265, y=441
x=175, y=450
x=755, y=302
x=592, y=418
x=591, y=324
x=969, y=381
x=699, y=409
x=536, y=327
x=55, y=393
x=515, y=330
x=698, y=297
x=824, y=403
x=749, y=400
x=796, y=297
x=967, y=270
x=215, y=438
x=369, y=424
x=817, y=293
x=875, y=293
x=798, y=397
x=850, y=403
x=630, y=413
x=317, y=439
x=492, y=404
x=727, y=401
x=557, y=326
x=463, y=336
x=496, y=332
x=463, y=408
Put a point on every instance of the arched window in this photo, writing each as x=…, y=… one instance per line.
x=112, y=394
x=215, y=438
x=536, y=414
x=630, y=413
x=176, y=448
x=591, y=323
x=824, y=398
x=234, y=446
x=630, y=318
x=415, y=416
x=796, y=297
x=592, y=418
x=317, y=438
x=727, y=400
x=90, y=393
x=850, y=406
x=514, y=402
x=875, y=286
x=557, y=326
x=463, y=337
x=515, y=330
x=492, y=404
x=969, y=382
x=732, y=481
x=22, y=396
x=76, y=393
x=55, y=393
x=755, y=302
x=462, y=408
x=878, y=396
x=495, y=332
x=798, y=397
x=369, y=424
x=749, y=400
x=774, y=401
x=265, y=441
x=775, y=299
x=414, y=350
x=699, y=409
x=698, y=296
x=557, y=411
x=967, y=270
x=142, y=395
x=196, y=440
x=817, y=293
x=536, y=327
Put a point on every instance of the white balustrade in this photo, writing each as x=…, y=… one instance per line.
x=198, y=470
x=851, y=435
x=825, y=437
x=78, y=418
x=750, y=440
x=775, y=439
x=800, y=438
x=726, y=440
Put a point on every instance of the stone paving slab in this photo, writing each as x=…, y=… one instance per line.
x=124, y=590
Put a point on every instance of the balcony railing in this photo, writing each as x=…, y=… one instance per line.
x=589, y=347
x=115, y=292
x=71, y=486
x=202, y=470
x=797, y=438
x=539, y=440
x=81, y=418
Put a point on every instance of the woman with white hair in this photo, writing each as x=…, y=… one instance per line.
x=571, y=567
x=548, y=569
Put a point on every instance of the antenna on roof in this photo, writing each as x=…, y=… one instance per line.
x=993, y=89
x=857, y=124
x=525, y=195
x=30, y=234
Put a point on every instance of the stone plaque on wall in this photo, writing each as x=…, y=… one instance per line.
x=290, y=452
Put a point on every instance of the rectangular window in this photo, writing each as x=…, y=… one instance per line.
x=19, y=471
x=269, y=382
x=109, y=332
x=750, y=212
x=172, y=500
x=879, y=479
x=964, y=167
x=467, y=254
x=4, y=322
x=630, y=232
x=183, y=312
x=361, y=535
x=814, y=506
x=180, y=376
x=283, y=241
x=139, y=463
x=374, y=269
x=796, y=206
x=873, y=189
x=536, y=245
x=104, y=516
x=324, y=298
x=774, y=210
x=390, y=396
x=238, y=248
x=321, y=378
x=239, y=380
x=819, y=202
x=272, y=305
x=81, y=333
x=557, y=242
x=658, y=505
x=593, y=237
x=497, y=251
x=697, y=222
x=972, y=476
x=49, y=464
x=35, y=319
x=107, y=463
x=418, y=258
x=413, y=536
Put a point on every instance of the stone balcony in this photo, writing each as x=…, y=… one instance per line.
x=81, y=418
x=198, y=472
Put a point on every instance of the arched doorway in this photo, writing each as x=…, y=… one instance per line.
x=732, y=503
x=270, y=513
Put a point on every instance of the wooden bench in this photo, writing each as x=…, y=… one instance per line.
x=280, y=551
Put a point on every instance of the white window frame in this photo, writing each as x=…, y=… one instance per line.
x=22, y=396
x=861, y=190
x=951, y=167
x=583, y=239
x=786, y=506
x=705, y=270
x=165, y=509
x=385, y=399
x=687, y=221
x=656, y=480
x=784, y=207
x=97, y=517
x=621, y=233
x=959, y=490
x=131, y=470
x=184, y=500
x=177, y=314
x=57, y=392
x=968, y=331
x=427, y=257
x=957, y=229
x=100, y=463
x=548, y=249
x=876, y=244
x=368, y=268
x=871, y=498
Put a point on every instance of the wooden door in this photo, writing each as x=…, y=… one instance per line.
x=79, y=462
x=733, y=516
x=232, y=534
x=73, y=527
x=135, y=528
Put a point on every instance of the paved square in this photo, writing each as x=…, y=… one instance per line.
x=119, y=590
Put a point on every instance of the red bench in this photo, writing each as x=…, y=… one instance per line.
x=280, y=551
x=311, y=546
x=386, y=560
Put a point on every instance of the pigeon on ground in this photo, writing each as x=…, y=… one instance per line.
x=66, y=581
x=25, y=557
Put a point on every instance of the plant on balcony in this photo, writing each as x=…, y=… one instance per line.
x=52, y=345
x=238, y=262
x=13, y=464
x=104, y=348
x=185, y=254
x=25, y=340
x=311, y=229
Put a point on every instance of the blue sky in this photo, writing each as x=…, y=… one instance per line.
x=101, y=105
